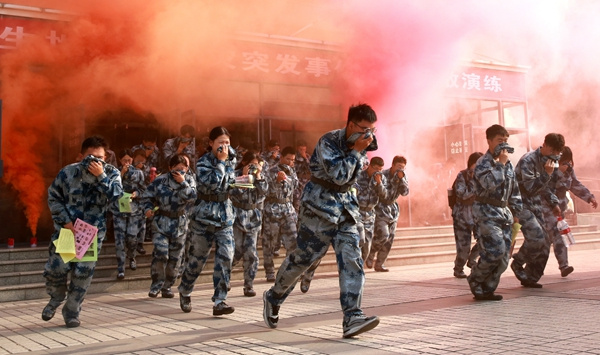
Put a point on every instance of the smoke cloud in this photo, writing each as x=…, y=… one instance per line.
x=164, y=56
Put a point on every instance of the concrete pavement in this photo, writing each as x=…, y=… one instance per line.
x=423, y=310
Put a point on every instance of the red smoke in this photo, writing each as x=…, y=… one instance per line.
x=165, y=56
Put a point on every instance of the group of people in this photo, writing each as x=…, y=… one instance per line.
x=492, y=197
x=334, y=197
x=302, y=202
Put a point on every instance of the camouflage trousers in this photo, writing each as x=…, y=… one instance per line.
x=56, y=273
x=245, y=249
x=168, y=238
x=201, y=243
x=382, y=241
x=535, y=249
x=128, y=229
x=314, y=237
x=561, y=252
x=493, y=243
x=274, y=228
x=462, y=237
x=365, y=230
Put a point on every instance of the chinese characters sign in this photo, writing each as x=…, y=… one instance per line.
x=14, y=31
x=485, y=83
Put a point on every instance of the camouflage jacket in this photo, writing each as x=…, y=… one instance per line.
x=533, y=180
x=153, y=160
x=169, y=195
x=170, y=149
x=497, y=182
x=334, y=162
x=387, y=209
x=248, y=219
x=280, y=190
x=558, y=186
x=133, y=181
x=214, y=178
x=76, y=193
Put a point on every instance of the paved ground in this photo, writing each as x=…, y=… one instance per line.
x=423, y=310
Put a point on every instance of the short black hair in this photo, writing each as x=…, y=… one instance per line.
x=288, y=150
x=473, y=158
x=361, y=112
x=249, y=156
x=93, y=142
x=137, y=152
x=377, y=161
x=496, y=130
x=125, y=152
x=185, y=129
x=555, y=141
x=178, y=158
x=399, y=159
x=217, y=132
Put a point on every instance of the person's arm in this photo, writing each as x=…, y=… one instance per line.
x=57, y=200
x=465, y=188
x=339, y=167
x=579, y=190
x=214, y=178
x=109, y=183
x=530, y=179
x=187, y=189
x=490, y=174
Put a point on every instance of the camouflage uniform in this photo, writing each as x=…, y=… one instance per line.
x=170, y=149
x=533, y=183
x=463, y=223
x=368, y=194
x=558, y=186
x=168, y=225
x=248, y=205
x=211, y=221
x=387, y=212
x=152, y=160
x=497, y=198
x=328, y=215
x=302, y=168
x=129, y=226
x=76, y=193
x=280, y=219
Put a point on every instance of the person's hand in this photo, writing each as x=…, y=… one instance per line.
x=96, y=168
x=470, y=174
x=177, y=176
x=134, y=194
x=182, y=146
x=549, y=166
x=362, y=143
x=378, y=179
x=515, y=219
x=503, y=157
x=281, y=176
x=593, y=202
x=124, y=169
x=245, y=169
x=563, y=167
x=400, y=174
x=223, y=154
x=149, y=214
x=70, y=227
x=556, y=211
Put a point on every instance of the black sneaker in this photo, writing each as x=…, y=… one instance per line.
x=270, y=277
x=531, y=284
x=140, y=250
x=519, y=272
x=222, y=309
x=48, y=312
x=359, y=324
x=185, y=302
x=270, y=312
x=167, y=293
x=132, y=264
x=488, y=297
x=72, y=323
x=153, y=293
x=566, y=271
x=120, y=276
x=460, y=274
